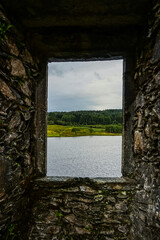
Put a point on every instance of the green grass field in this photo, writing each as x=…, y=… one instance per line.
x=72, y=131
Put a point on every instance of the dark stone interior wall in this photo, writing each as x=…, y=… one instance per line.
x=76, y=209
x=146, y=214
x=81, y=209
x=19, y=75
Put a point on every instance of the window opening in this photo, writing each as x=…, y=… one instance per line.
x=84, y=133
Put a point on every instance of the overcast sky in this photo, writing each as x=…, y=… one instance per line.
x=84, y=85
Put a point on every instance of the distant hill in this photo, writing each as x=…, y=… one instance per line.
x=104, y=117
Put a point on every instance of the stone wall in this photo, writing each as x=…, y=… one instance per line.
x=77, y=209
x=19, y=75
x=146, y=215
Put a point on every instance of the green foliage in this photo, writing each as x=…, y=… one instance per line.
x=97, y=197
x=11, y=232
x=114, y=128
x=89, y=229
x=28, y=72
x=1, y=121
x=72, y=131
x=91, y=130
x=76, y=118
x=20, y=82
x=59, y=214
x=4, y=28
x=85, y=123
x=75, y=130
x=124, y=193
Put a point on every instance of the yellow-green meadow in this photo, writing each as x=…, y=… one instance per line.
x=76, y=131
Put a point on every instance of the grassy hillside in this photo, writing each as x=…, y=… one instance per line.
x=73, y=131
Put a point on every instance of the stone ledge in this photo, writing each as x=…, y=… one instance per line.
x=113, y=184
x=79, y=179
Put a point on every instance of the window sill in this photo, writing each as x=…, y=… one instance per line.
x=121, y=180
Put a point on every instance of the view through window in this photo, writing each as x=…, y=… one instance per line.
x=84, y=133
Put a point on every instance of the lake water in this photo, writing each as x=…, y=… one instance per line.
x=91, y=156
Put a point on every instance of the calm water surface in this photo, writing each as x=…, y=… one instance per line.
x=93, y=156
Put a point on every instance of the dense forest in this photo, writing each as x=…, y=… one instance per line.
x=77, y=118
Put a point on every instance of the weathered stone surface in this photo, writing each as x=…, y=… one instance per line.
x=144, y=221
x=140, y=100
x=87, y=189
x=71, y=218
x=56, y=205
x=18, y=69
x=10, y=137
x=25, y=89
x=156, y=109
x=78, y=209
x=16, y=135
x=6, y=91
x=156, y=50
x=13, y=48
x=27, y=57
x=3, y=169
x=140, y=120
x=82, y=231
x=26, y=114
x=27, y=101
x=15, y=121
x=138, y=142
x=148, y=129
x=65, y=29
x=53, y=230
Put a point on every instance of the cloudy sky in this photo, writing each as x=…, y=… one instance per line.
x=84, y=85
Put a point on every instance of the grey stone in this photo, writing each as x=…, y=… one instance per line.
x=140, y=102
x=156, y=50
x=10, y=137
x=138, y=142
x=27, y=101
x=13, y=48
x=111, y=199
x=156, y=109
x=72, y=219
x=87, y=189
x=122, y=206
x=27, y=56
x=82, y=231
x=122, y=229
x=6, y=91
x=140, y=120
x=18, y=69
x=25, y=89
x=26, y=115
x=65, y=208
x=147, y=130
x=15, y=121
x=53, y=229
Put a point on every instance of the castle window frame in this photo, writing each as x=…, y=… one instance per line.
x=128, y=113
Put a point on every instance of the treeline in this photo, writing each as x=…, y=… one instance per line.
x=113, y=128
x=76, y=118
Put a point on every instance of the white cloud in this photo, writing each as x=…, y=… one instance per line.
x=85, y=85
